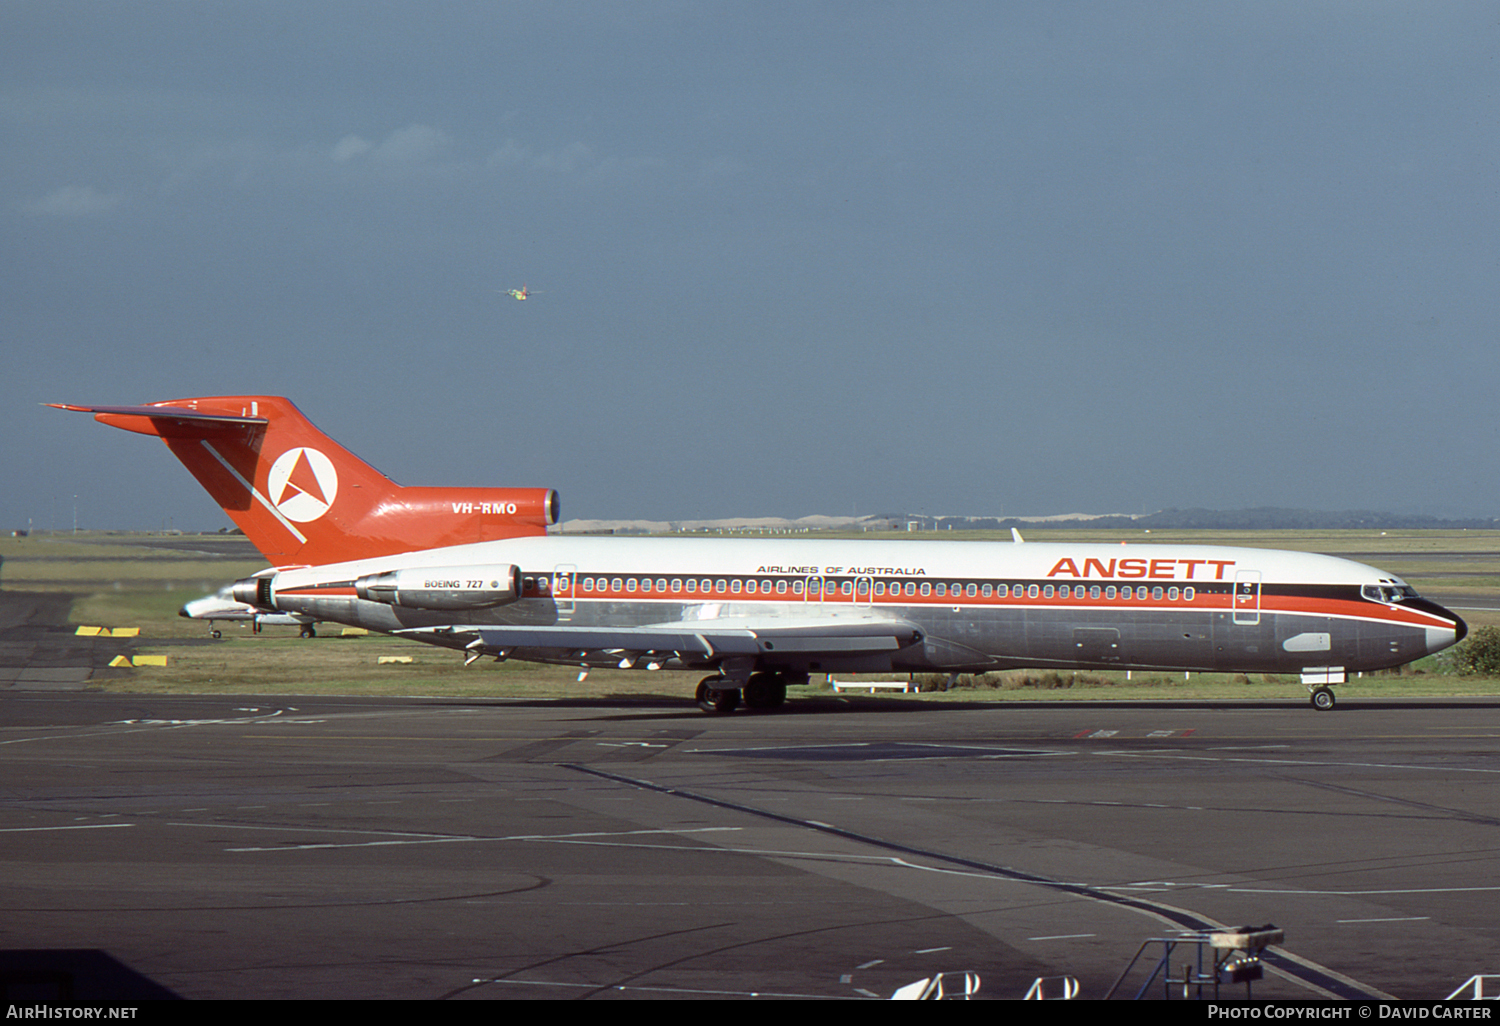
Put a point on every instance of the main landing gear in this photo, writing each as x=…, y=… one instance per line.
x=718, y=695
x=1322, y=699
x=717, y=700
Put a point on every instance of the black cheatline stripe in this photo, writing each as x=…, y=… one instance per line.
x=1310, y=975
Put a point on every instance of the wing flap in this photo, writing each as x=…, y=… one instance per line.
x=712, y=639
x=634, y=639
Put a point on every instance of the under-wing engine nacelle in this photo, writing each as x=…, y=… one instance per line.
x=443, y=587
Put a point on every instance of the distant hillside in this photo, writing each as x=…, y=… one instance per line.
x=1265, y=518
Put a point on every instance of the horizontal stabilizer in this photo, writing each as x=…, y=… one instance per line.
x=161, y=413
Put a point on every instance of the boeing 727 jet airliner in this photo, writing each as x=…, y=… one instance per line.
x=757, y=615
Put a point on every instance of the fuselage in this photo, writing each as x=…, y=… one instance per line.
x=974, y=605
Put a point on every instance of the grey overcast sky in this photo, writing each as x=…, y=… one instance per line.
x=1014, y=258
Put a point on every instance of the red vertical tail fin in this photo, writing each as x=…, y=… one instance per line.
x=301, y=498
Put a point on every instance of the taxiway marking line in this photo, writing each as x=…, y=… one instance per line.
x=1297, y=762
x=461, y=838
x=621, y=988
x=1317, y=978
x=84, y=826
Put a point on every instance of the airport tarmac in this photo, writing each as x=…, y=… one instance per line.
x=39, y=651
x=224, y=847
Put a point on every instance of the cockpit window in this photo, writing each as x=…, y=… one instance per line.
x=1388, y=593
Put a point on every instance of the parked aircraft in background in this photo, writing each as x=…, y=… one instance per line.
x=759, y=614
x=224, y=608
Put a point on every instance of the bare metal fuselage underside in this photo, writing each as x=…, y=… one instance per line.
x=1208, y=634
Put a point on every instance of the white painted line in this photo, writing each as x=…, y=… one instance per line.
x=460, y=838
x=659, y=990
x=1371, y=891
x=82, y=826
x=255, y=492
x=1298, y=762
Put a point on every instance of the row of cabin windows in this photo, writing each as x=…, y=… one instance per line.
x=862, y=587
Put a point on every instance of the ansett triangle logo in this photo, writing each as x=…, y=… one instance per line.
x=302, y=484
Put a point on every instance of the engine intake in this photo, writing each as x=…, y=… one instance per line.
x=443, y=587
x=255, y=591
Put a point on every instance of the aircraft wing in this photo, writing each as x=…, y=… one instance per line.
x=728, y=636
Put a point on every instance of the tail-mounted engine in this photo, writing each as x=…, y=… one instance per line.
x=256, y=591
x=446, y=587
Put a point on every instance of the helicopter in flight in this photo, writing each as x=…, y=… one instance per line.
x=520, y=293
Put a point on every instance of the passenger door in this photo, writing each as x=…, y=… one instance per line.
x=563, y=582
x=1247, y=597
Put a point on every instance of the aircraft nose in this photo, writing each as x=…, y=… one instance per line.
x=1449, y=630
x=1439, y=638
